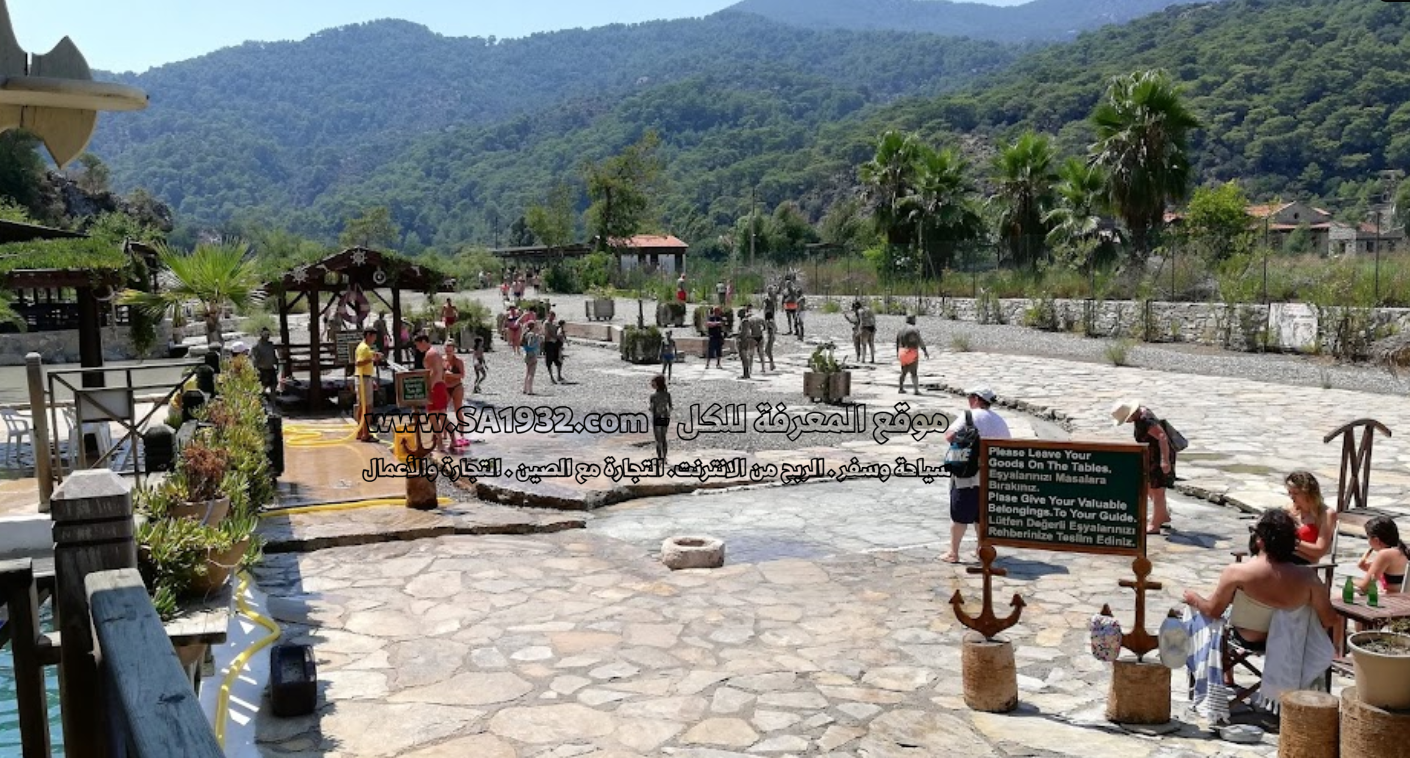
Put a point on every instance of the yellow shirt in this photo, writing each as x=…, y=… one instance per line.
x=364, y=353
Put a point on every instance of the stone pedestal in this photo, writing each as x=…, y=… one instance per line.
x=1307, y=725
x=421, y=493
x=1139, y=694
x=1370, y=732
x=990, y=677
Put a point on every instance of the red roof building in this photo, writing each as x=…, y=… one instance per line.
x=650, y=252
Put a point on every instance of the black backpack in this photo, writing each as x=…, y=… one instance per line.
x=962, y=459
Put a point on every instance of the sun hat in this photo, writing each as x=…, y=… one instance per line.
x=983, y=393
x=1124, y=410
x=239, y=348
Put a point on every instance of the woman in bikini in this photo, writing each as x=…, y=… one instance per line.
x=1316, y=523
x=455, y=382
x=1387, y=559
x=512, y=328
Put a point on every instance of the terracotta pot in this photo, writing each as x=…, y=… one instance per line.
x=1383, y=681
x=210, y=513
x=219, y=567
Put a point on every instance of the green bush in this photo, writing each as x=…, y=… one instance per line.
x=1041, y=314
x=831, y=306
x=1118, y=353
x=642, y=346
x=563, y=279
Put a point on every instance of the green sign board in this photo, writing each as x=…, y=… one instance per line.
x=1069, y=496
x=413, y=389
x=347, y=343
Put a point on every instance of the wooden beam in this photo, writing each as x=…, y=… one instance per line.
x=19, y=593
x=90, y=338
x=154, y=703
x=398, y=347
x=315, y=389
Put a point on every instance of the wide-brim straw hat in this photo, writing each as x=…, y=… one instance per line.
x=1124, y=410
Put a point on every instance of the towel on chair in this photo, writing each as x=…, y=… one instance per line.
x=1209, y=696
x=1298, y=652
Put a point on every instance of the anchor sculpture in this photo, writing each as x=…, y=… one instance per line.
x=54, y=96
x=1139, y=641
x=987, y=623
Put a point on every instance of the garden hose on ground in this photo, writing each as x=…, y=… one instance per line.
x=237, y=666
x=313, y=436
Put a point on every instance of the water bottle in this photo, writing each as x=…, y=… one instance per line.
x=1348, y=592
x=1174, y=641
x=1372, y=597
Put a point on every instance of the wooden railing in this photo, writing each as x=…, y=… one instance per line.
x=151, y=707
x=122, y=690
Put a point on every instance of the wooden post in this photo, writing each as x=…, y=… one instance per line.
x=39, y=430
x=397, y=348
x=90, y=337
x=18, y=593
x=284, y=307
x=93, y=531
x=1308, y=725
x=1369, y=732
x=315, y=348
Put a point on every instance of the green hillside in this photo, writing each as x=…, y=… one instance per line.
x=280, y=124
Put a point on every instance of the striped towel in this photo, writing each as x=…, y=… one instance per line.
x=1210, y=698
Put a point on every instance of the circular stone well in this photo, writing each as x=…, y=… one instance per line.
x=692, y=553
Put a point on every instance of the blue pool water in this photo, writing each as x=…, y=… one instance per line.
x=9, y=716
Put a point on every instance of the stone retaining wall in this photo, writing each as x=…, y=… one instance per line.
x=62, y=346
x=1292, y=326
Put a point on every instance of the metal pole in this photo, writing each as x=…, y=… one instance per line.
x=39, y=432
x=753, y=224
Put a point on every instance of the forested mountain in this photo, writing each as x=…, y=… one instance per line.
x=1303, y=98
x=1035, y=20
x=281, y=123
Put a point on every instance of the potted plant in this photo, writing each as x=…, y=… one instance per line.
x=641, y=346
x=226, y=548
x=600, y=305
x=1382, y=662
x=197, y=481
x=670, y=314
x=826, y=379
x=478, y=323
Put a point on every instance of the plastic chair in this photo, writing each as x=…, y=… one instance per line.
x=99, y=429
x=17, y=430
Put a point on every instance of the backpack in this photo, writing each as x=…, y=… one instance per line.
x=962, y=459
x=1177, y=440
x=756, y=329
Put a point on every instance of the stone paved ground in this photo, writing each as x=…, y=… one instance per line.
x=575, y=644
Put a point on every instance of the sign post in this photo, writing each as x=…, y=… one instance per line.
x=413, y=391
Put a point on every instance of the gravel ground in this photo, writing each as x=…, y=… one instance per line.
x=600, y=382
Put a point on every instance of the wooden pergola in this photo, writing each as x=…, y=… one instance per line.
x=356, y=267
x=102, y=271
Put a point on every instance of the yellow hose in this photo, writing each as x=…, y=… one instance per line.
x=237, y=666
x=312, y=436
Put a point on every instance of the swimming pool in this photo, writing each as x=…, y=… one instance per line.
x=9, y=709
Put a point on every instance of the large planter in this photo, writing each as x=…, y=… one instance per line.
x=210, y=513
x=468, y=335
x=641, y=346
x=827, y=388
x=219, y=567
x=601, y=309
x=1382, y=679
x=670, y=314
x=702, y=315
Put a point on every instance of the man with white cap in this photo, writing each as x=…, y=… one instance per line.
x=1150, y=430
x=964, y=491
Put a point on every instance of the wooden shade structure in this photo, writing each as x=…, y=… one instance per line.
x=369, y=270
x=105, y=271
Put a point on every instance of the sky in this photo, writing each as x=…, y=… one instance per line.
x=134, y=35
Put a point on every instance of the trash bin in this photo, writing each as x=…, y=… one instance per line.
x=159, y=445
x=274, y=443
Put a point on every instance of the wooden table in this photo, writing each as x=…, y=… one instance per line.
x=1388, y=609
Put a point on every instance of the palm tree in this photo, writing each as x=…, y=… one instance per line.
x=1076, y=214
x=942, y=204
x=1143, y=131
x=1024, y=174
x=889, y=178
x=216, y=276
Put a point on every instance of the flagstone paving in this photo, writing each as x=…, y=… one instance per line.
x=577, y=644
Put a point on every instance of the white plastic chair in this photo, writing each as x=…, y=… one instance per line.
x=97, y=428
x=17, y=431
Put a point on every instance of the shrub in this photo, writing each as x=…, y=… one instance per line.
x=960, y=343
x=641, y=345
x=562, y=278
x=1118, y=352
x=202, y=469
x=1041, y=314
x=831, y=306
